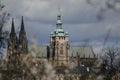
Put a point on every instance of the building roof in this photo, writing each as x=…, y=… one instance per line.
x=82, y=51
x=40, y=50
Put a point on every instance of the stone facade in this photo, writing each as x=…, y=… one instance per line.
x=59, y=44
x=60, y=49
x=25, y=62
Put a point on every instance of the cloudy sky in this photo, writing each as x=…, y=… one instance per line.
x=78, y=17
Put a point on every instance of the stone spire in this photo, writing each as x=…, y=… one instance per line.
x=22, y=26
x=13, y=40
x=12, y=28
x=12, y=48
x=59, y=21
x=23, y=39
x=13, y=36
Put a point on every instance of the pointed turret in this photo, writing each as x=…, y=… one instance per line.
x=13, y=28
x=13, y=36
x=22, y=26
x=12, y=33
x=59, y=21
x=22, y=38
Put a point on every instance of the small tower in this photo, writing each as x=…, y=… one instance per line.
x=59, y=44
x=23, y=44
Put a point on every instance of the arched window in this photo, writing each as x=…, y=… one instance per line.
x=61, y=49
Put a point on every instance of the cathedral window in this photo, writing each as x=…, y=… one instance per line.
x=61, y=49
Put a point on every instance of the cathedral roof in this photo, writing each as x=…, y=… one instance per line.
x=13, y=28
x=38, y=50
x=82, y=51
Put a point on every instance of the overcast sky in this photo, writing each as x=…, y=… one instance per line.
x=78, y=17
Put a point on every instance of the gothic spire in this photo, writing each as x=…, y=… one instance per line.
x=13, y=34
x=13, y=40
x=59, y=21
x=23, y=39
x=22, y=25
x=12, y=26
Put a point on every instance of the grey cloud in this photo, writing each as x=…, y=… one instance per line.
x=79, y=19
x=46, y=10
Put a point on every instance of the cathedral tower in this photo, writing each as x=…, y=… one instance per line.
x=59, y=44
x=23, y=44
x=12, y=48
x=13, y=40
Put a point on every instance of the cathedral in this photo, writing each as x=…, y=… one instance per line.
x=59, y=52
x=59, y=44
x=23, y=58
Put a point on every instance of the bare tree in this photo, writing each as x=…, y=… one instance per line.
x=109, y=61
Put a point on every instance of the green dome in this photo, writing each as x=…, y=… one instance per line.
x=59, y=32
